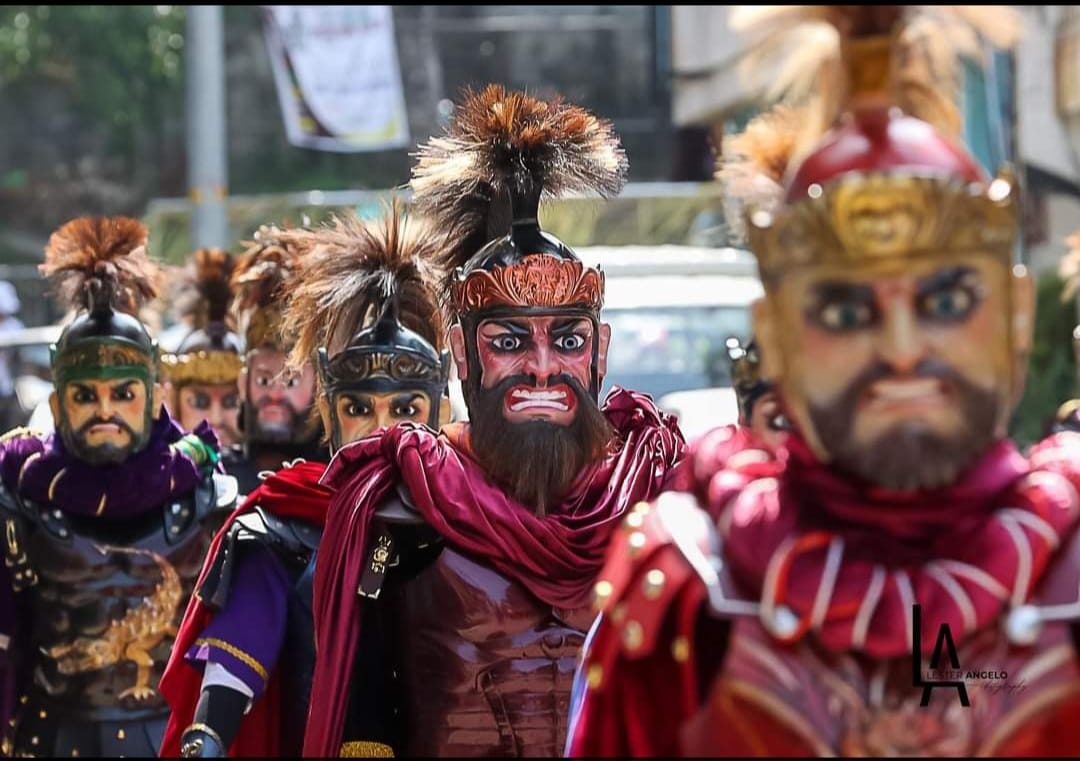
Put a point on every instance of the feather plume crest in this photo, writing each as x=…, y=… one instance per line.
x=498, y=141
x=263, y=270
x=754, y=163
x=105, y=256
x=804, y=52
x=203, y=290
x=350, y=267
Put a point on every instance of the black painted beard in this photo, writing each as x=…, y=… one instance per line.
x=909, y=456
x=99, y=454
x=536, y=461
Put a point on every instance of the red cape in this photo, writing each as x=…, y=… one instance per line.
x=293, y=492
x=555, y=557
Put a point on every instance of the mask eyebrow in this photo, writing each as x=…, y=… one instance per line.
x=949, y=277
x=409, y=396
x=514, y=327
x=570, y=325
x=125, y=385
x=829, y=291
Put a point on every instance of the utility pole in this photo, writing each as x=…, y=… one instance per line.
x=208, y=180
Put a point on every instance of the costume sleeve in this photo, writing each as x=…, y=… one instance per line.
x=245, y=637
x=373, y=720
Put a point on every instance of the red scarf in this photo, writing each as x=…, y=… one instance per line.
x=962, y=552
x=556, y=557
x=293, y=492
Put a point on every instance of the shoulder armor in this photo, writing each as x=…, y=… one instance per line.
x=226, y=491
x=1057, y=597
x=15, y=522
x=1067, y=417
x=10, y=504
x=665, y=553
x=285, y=534
x=399, y=508
x=285, y=537
x=21, y=432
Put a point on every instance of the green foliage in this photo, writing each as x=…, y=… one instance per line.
x=1051, y=377
x=108, y=58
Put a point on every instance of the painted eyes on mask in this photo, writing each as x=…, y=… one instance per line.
x=571, y=342
x=89, y=396
x=202, y=402
x=568, y=343
x=506, y=342
x=356, y=409
x=398, y=409
x=948, y=304
x=943, y=302
x=842, y=316
x=264, y=381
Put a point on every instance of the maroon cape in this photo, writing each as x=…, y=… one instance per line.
x=556, y=557
x=292, y=492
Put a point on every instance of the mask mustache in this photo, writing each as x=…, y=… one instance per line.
x=284, y=404
x=527, y=379
x=908, y=456
x=927, y=368
x=114, y=420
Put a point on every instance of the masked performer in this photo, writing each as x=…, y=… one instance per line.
x=276, y=413
x=104, y=520
x=759, y=407
x=474, y=551
x=901, y=581
x=201, y=375
x=364, y=306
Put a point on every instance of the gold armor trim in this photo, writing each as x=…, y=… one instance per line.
x=863, y=218
x=235, y=652
x=212, y=367
x=538, y=280
x=365, y=749
x=132, y=637
x=104, y=354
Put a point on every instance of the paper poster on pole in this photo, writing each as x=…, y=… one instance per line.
x=338, y=77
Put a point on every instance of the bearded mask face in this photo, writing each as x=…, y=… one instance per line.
x=217, y=404
x=102, y=421
x=901, y=373
x=277, y=401
x=533, y=422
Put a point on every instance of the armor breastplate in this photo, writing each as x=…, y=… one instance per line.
x=487, y=668
x=109, y=597
x=802, y=700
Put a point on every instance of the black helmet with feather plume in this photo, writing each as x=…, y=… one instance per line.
x=99, y=267
x=484, y=180
x=365, y=306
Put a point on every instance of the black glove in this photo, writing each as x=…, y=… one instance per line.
x=217, y=720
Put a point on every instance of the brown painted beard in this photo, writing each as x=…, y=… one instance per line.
x=536, y=461
x=909, y=456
